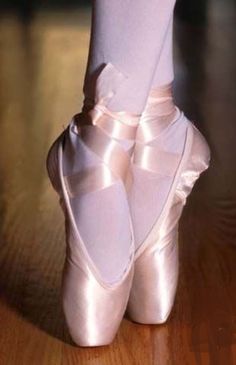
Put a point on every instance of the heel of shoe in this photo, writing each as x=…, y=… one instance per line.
x=197, y=163
x=52, y=166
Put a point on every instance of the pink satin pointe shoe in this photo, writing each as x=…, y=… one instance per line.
x=90, y=170
x=169, y=156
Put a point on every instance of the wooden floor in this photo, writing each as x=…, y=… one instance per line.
x=42, y=64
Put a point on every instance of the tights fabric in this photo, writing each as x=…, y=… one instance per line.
x=135, y=36
x=129, y=34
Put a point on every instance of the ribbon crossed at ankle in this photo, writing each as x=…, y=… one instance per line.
x=158, y=115
x=100, y=130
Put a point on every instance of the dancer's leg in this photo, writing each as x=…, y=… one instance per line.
x=164, y=72
x=146, y=208
x=127, y=38
x=130, y=35
x=169, y=156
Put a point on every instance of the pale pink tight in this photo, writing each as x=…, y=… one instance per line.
x=130, y=34
x=136, y=37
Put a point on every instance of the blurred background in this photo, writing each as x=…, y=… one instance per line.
x=43, y=55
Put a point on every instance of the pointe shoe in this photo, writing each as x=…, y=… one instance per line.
x=93, y=301
x=156, y=258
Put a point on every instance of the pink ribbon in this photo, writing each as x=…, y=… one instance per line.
x=100, y=130
x=159, y=113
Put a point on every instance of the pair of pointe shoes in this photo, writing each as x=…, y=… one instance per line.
x=145, y=285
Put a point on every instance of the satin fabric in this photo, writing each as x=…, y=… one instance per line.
x=156, y=259
x=93, y=307
x=110, y=151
